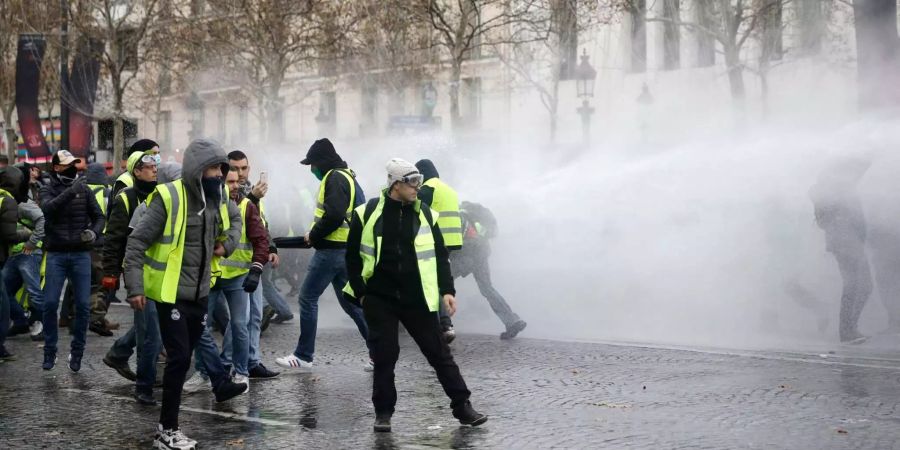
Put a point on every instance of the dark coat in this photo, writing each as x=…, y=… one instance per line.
x=68, y=211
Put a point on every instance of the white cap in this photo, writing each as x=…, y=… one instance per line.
x=399, y=170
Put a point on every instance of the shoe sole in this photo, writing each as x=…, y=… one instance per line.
x=119, y=370
x=382, y=429
x=293, y=368
x=161, y=446
x=264, y=378
x=479, y=421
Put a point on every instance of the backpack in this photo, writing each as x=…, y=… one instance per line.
x=478, y=220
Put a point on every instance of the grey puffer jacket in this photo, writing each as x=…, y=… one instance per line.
x=203, y=227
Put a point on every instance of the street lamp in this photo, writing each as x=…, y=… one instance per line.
x=585, y=75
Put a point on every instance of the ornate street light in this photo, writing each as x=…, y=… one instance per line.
x=585, y=75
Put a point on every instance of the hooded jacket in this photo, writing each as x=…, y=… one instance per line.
x=428, y=171
x=203, y=227
x=10, y=181
x=69, y=210
x=117, y=229
x=337, y=194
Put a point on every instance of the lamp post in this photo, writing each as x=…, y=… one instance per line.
x=585, y=75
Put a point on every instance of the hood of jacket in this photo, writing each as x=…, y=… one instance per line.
x=199, y=155
x=96, y=174
x=427, y=169
x=11, y=181
x=323, y=155
x=168, y=172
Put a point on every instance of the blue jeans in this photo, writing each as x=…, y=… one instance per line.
x=148, y=342
x=76, y=267
x=236, y=346
x=207, y=359
x=253, y=330
x=23, y=269
x=326, y=267
x=273, y=297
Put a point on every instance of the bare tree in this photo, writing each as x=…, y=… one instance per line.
x=123, y=27
x=543, y=49
x=463, y=27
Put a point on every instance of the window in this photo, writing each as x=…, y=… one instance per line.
x=165, y=82
x=638, y=10
x=812, y=24
x=472, y=92
x=242, y=123
x=127, y=48
x=222, y=123
x=473, y=19
x=369, y=107
x=671, y=35
x=327, y=117
x=198, y=7
x=772, y=45
x=165, y=129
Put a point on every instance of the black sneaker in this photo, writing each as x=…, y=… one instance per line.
x=261, y=372
x=229, y=390
x=99, y=327
x=120, y=366
x=49, y=361
x=468, y=416
x=74, y=362
x=145, y=398
x=449, y=334
x=279, y=319
x=268, y=313
x=513, y=330
x=17, y=329
x=382, y=423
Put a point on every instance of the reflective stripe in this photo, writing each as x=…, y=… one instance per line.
x=367, y=249
x=154, y=264
x=449, y=214
x=238, y=264
x=244, y=246
x=176, y=207
x=344, y=223
x=426, y=254
x=167, y=239
x=423, y=230
x=449, y=230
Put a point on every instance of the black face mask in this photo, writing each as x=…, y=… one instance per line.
x=145, y=187
x=212, y=188
x=68, y=176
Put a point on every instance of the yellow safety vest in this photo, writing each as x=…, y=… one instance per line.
x=446, y=203
x=240, y=261
x=99, y=191
x=339, y=235
x=370, y=251
x=126, y=178
x=162, y=261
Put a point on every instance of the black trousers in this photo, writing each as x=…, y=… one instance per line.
x=383, y=316
x=180, y=326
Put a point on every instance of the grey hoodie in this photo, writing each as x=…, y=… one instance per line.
x=203, y=227
x=30, y=211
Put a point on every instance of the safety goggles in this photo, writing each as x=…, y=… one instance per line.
x=414, y=180
x=151, y=159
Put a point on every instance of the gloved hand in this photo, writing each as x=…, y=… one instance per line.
x=252, y=280
x=88, y=236
x=110, y=283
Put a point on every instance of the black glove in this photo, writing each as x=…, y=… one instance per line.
x=252, y=280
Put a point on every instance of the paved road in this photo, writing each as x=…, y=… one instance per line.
x=539, y=394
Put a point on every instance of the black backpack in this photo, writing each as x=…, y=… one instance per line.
x=473, y=213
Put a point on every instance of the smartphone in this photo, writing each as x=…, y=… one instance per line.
x=264, y=177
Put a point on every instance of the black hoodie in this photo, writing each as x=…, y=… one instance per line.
x=10, y=181
x=428, y=171
x=337, y=193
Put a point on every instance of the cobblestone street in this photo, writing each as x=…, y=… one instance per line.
x=538, y=394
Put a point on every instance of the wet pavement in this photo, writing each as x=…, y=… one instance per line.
x=538, y=394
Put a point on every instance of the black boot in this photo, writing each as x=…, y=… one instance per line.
x=145, y=398
x=99, y=327
x=468, y=416
x=229, y=390
x=120, y=366
x=382, y=423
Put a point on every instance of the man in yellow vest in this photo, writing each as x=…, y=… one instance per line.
x=10, y=180
x=339, y=193
x=444, y=200
x=399, y=272
x=142, y=146
x=167, y=260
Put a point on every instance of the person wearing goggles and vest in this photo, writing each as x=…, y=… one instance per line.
x=399, y=272
x=442, y=198
x=339, y=193
x=144, y=333
x=167, y=260
x=22, y=272
x=73, y=221
x=10, y=235
x=140, y=147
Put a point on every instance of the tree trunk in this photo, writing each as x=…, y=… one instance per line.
x=878, y=53
x=455, y=72
x=735, y=76
x=118, y=142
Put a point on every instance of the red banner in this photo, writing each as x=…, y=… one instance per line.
x=29, y=57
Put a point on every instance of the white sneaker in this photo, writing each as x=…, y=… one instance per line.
x=294, y=363
x=238, y=378
x=369, y=366
x=36, y=328
x=196, y=383
x=172, y=440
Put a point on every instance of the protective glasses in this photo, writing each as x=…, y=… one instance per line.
x=414, y=180
x=151, y=159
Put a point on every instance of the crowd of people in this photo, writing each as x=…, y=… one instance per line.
x=195, y=251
